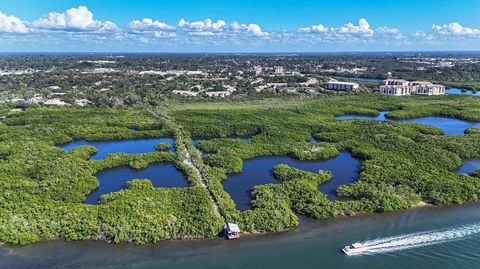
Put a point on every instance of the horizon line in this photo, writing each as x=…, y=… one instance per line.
x=233, y=52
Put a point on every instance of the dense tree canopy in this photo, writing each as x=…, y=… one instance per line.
x=42, y=187
x=402, y=163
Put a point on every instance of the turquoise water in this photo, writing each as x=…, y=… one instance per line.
x=259, y=171
x=449, y=126
x=131, y=146
x=160, y=174
x=315, y=244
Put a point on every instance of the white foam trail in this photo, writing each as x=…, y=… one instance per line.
x=420, y=239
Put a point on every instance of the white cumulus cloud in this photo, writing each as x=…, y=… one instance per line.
x=203, y=28
x=249, y=29
x=208, y=27
x=313, y=29
x=349, y=29
x=149, y=25
x=12, y=24
x=363, y=28
x=162, y=34
x=455, y=29
x=74, y=19
x=79, y=25
x=389, y=33
x=349, y=33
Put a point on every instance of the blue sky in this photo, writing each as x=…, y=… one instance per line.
x=239, y=26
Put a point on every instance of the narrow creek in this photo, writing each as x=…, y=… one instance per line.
x=449, y=126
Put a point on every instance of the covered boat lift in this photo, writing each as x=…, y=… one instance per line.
x=232, y=231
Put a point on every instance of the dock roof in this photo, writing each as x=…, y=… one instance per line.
x=232, y=227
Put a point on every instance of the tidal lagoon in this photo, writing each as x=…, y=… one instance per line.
x=164, y=175
x=259, y=171
x=130, y=146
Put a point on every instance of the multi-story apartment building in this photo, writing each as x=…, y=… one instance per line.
x=342, y=86
x=279, y=71
x=400, y=87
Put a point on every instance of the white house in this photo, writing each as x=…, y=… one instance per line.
x=185, y=93
x=82, y=102
x=55, y=102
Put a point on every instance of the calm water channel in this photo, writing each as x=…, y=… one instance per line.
x=449, y=126
x=315, y=244
x=161, y=174
x=469, y=166
x=259, y=171
x=459, y=91
x=131, y=146
x=115, y=179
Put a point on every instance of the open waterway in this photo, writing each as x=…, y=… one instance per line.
x=449, y=126
x=464, y=92
x=131, y=146
x=259, y=171
x=425, y=237
x=160, y=174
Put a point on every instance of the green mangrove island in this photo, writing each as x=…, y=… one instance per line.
x=43, y=187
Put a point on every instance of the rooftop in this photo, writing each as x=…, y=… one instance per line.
x=232, y=227
x=344, y=83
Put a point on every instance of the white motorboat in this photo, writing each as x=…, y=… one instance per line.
x=353, y=249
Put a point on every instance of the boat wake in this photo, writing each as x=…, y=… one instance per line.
x=416, y=240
